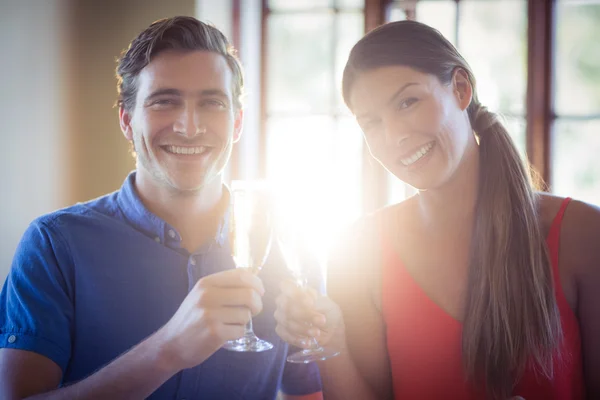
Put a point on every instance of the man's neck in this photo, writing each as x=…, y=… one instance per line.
x=195, y=215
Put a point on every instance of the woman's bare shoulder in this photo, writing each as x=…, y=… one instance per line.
x=580, y=224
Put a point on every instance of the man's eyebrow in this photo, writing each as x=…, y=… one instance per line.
x=213, y=92
x=163, y=92
x=177, y=92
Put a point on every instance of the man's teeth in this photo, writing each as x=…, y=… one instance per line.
x=417, y=155
x=185, y=150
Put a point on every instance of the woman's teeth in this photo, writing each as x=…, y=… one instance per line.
x=417, y=155
x=185, y=150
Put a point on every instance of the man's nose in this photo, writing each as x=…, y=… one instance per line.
x=188, y=123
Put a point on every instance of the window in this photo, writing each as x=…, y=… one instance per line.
x=576, y=129
x=537, y=64
x=313, y=145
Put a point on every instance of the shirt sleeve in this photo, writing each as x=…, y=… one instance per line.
x=36, y=308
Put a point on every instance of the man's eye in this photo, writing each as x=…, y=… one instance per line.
x=164, y=103
x=214, y=103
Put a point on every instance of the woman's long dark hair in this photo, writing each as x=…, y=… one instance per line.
x=511, y=318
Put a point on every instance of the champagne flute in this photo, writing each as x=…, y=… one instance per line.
x=250, y=236
x=290, y=244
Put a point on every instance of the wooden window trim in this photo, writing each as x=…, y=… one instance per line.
x=540, y=88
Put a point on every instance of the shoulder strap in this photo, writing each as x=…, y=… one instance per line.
x=553, y=238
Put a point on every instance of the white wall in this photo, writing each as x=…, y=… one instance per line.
x=58, y=126
x=32, y=123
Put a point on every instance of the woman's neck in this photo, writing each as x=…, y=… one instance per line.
x=452, y=205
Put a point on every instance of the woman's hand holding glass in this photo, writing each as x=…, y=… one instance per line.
x=302, y=314
x=309, y=320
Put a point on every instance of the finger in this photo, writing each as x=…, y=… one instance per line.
x=239, y=277
x=296, y=295
x=289, y=287
x=297, y=328
x=229, y=315
x=232, y=332
x=301, y=313
x=298, y=304
x=233, y=297
x=328, y=312
x=290, y=338
x=312, y=293
x=319, y=320
x=299, y=320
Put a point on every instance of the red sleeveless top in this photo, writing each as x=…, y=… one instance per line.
x=424, y=342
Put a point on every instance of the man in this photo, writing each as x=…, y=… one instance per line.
x=132, y=295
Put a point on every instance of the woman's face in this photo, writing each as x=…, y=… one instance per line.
x=414, y=125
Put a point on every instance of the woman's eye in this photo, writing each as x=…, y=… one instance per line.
x=406, y=103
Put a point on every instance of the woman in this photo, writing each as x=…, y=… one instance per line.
x=476, y=287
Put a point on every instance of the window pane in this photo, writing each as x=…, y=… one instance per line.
x=577, y=58
x=298, y=4
x=396, y=13
x=350, y=28
x=439, y=14
x=315, y=165
x=350, y=4
x=575, y=167
x=493, y=40
x=300, y=63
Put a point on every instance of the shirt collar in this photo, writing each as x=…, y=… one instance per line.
x=138, y=216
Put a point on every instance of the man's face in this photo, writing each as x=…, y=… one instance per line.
x=184, y=123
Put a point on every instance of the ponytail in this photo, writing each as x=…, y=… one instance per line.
x=511, y=313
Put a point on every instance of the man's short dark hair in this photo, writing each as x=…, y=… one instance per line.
x=176, y=33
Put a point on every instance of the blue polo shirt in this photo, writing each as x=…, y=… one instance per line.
x=91, y=281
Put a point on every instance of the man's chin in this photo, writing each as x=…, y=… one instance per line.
x=191, y=186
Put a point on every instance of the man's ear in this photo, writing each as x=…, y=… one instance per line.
x=125, y=123
x=238, y=125
x=462, y=88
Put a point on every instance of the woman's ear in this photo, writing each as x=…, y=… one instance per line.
x=462, y=88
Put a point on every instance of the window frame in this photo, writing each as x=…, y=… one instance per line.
x=539, y=113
